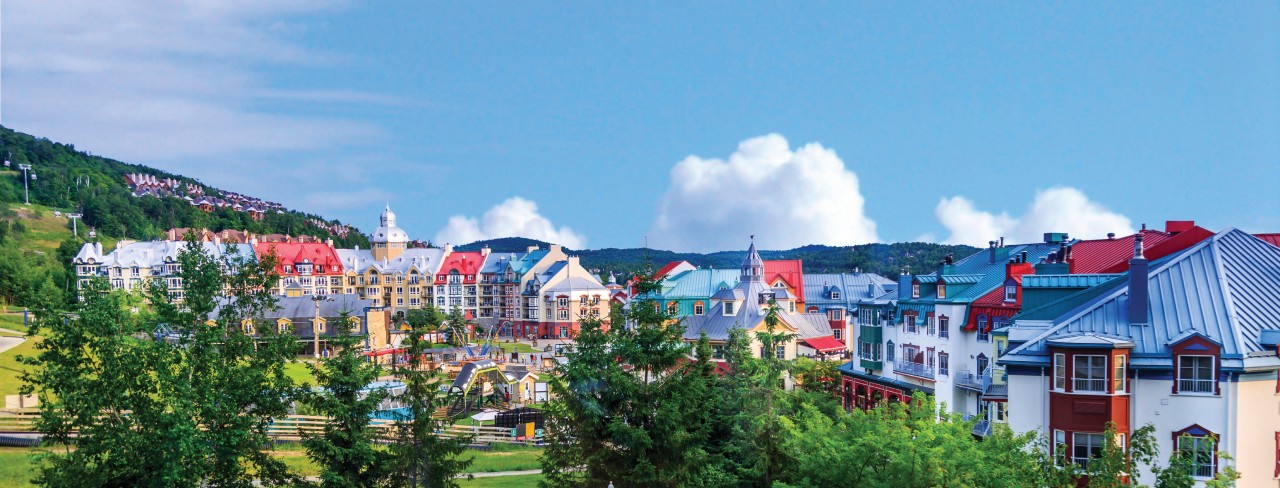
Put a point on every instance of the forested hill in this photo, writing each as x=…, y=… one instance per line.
x=885, y=259
x=72, y=180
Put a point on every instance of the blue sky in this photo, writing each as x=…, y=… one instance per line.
x=948, y=122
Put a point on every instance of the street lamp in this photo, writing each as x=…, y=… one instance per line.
x=75, y=218
x=26, y=195
x=315, y=326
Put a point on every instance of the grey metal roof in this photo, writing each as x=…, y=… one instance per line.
x=424, y=261
x=853, y=287
x=496, y=262
x=749, y=314
x=156, y=253
x=1226, y=288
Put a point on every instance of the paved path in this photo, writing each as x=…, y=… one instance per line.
x=493, y=474
x=7, y=343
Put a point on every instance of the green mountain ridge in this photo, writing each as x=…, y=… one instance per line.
x=884, y=259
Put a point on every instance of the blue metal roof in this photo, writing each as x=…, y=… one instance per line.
x=699, y=283
x=1226, y=288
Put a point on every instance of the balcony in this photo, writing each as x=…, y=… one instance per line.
x=873, y=364
x=973, y=381
x=917, y=370
x=982, y=427
x=1089, y=385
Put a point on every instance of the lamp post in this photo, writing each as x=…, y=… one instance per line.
x=74, y=219
x=26, y=194
x=315, y=326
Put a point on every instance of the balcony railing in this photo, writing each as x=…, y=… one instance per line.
x=1195, y=386
x=1098, y=385
x=914, y=369
x=974, y=381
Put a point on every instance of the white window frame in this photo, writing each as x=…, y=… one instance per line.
x=1091, y=441
x=1090, y=383
x=1197, y=385
x=1059, y=372
x=1010, y=293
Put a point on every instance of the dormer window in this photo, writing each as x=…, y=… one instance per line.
x=1195, y=374
x=835, y=294
x=942, y=290
x=1010, y=293
x=728, y=308
x=288, y=268
x=915, y=290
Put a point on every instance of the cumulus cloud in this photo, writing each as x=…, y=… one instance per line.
x=515, y=217
x=1059, y=209
x=787, y=198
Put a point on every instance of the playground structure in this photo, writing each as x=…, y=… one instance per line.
x=476, y=385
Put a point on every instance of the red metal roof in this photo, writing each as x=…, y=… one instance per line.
x=467, y=264
x=791, y=271
x=1274, y=239
x=824, y=343
x=662, y=272
x=1094, y=256
x=291, y=253
x=1165, y=247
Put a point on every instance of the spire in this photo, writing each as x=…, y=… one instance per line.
x=752, y=266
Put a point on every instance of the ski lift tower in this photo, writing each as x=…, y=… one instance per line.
x=26, y=194
x=75, y=217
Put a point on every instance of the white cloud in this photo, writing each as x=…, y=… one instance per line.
x=786, y=198
x=515, y=217
x=1059, y=209
x=185, y=86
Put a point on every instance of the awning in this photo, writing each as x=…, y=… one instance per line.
x=383, y=352
x=825, y=344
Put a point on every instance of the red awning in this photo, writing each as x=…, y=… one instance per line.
x=825, y=344
x=383, y=352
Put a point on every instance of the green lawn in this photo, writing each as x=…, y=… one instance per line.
x=11, y=321
x=16, y=466
x=10, y=368
x=300, y=372
x=521, y=481
x=505, y=459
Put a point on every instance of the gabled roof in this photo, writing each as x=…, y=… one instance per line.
x=291, y=253
x=699, y=283
x=789, y=270
x=1096, y=255
x=853, y=287
x=750, y=314
x=673, y=267
x=1226, y=288
x=465, y=262
x=496, y=262
x=1165, y=247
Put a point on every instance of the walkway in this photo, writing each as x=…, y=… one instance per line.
x=7, y=342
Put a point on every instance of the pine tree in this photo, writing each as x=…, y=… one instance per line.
x=420, y=456
x=346, y=451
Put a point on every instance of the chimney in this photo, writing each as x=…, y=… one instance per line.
x=448, y=248
x=1111, y=236
x=530, y=249
x=1138, y=275
x=329, y=242
x=1022, y=258
x=1001, y=241
x=991, y=246
x=484, y=251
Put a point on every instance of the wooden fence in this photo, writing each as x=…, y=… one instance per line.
x=296, y=427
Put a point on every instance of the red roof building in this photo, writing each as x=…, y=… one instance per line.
x=790, y=272
x=464, y=264
x=313, y=265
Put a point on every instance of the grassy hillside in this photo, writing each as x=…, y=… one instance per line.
x=68, y=179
